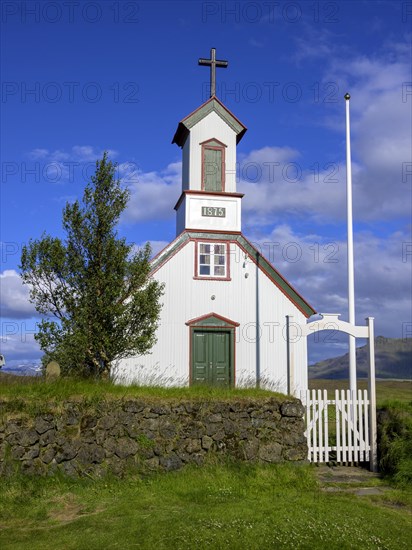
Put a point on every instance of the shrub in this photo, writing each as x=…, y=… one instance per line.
x=395, y=441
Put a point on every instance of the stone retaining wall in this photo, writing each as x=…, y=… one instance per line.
x=141, y=435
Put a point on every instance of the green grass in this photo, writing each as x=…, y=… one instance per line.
x=32, y=394
x=37, y=389
x=395, y=441
x=234, y=506
x=385, y=389
x=394, y=404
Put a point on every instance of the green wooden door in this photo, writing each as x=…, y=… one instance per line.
x=211, y=359
x=212, y=170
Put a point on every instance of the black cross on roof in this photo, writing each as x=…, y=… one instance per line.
x=213, y=63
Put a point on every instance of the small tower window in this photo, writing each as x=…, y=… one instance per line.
x=213, y=164
x=212, y=261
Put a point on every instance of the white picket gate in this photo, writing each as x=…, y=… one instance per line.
x=350, y=412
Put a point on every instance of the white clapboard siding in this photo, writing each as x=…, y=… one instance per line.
x=250, y=301
x=212, y=126
x=352, y=426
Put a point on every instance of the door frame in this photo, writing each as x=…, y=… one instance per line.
x=215, y=145
x=212, y=322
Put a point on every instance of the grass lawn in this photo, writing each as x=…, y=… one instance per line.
x=234, y=506
x=398, y=390
x=36, y=388
x=238, y=506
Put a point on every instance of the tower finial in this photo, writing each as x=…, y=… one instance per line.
x=213, y=63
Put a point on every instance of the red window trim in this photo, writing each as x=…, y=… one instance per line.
x=221, y=148
x=211, y=277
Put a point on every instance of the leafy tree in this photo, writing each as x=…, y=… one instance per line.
x=93, y=288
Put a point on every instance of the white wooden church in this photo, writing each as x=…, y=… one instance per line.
x=225, y=307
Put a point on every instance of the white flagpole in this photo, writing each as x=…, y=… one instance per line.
x=351, y=284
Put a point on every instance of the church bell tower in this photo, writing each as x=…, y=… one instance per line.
x=208, y=138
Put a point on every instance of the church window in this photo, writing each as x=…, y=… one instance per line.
x=212, y=260
x=213, y=163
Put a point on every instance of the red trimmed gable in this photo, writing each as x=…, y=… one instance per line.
x=270, y=271
x=182, y=130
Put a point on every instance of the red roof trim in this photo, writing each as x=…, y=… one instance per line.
x=183, y=132
x=192, y=239
x=196, y=110
x=229, y=111
x=280, y=275
x=171, y=256
x=221, y=104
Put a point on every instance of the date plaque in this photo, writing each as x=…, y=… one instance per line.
x=213, y=212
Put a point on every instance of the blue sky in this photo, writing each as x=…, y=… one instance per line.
x=82, y=77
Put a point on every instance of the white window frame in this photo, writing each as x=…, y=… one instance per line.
x=212, y=254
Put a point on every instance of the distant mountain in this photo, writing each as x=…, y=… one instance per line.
x=23, y=369
x=393, y=359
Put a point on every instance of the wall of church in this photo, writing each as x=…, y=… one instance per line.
x=212, y=126
x=189, y=214
x=185, y=165
x=181, y=217
x=249, y=298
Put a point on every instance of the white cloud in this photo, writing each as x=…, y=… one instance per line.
x=154, y=194
x=39, y=154
x=66, y=166
x=276, y=185
x=311, y=44
x=291, y=191
x=318, y=270
x=17, y=341
x=157, y=246
x=284, y=193
x=90, y=153
x=84, y=152
x=381, y=145
x=381, y=113
x=14, y=299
